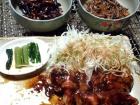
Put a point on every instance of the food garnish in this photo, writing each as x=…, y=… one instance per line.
x=9, y=53
x=19, y=62
x=25, y=50
x=24, y=55
x=34, y=53
x=40, y=9
x=109, y=9
x=90, y=51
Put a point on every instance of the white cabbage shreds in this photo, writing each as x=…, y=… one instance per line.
x=83, y=51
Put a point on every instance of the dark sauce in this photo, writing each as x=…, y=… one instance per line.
x=74, y=87
x=40, y=9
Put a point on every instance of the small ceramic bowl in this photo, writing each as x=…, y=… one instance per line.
x=41, y=25
x=107, y=25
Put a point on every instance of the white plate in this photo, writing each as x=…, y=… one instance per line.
x=44, y=52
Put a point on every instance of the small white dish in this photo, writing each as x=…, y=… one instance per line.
x=44, y=52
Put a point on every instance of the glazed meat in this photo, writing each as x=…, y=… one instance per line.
x=73, y=88
x=58, y=75
x=106, y=81
x=106, y=98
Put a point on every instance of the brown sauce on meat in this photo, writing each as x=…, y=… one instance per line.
x=73, y=87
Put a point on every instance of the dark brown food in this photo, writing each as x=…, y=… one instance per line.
x=106, y=98
x=73, y=87
x=40, y=9
x=110, y=9
x=106, y=81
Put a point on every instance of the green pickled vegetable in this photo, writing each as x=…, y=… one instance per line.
x=25, y=52
x=18, y=57
x=38, y=57
x=9, y=53
x=34, y=53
